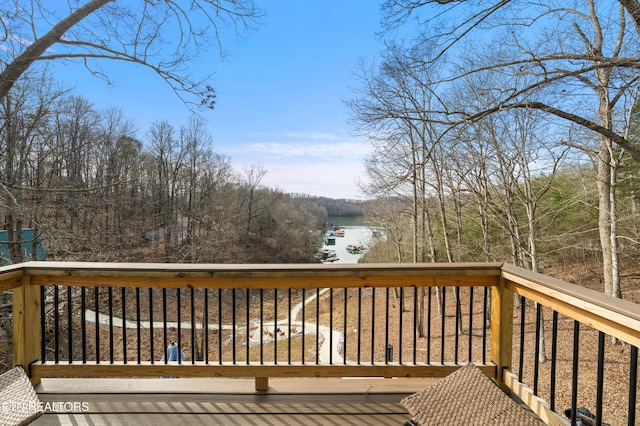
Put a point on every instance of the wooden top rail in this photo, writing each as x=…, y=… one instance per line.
x=10, y=277
x=616, y=317
x=162, y=275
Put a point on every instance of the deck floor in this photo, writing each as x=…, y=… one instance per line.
x=225, y=401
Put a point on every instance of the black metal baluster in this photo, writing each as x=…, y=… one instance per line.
x=633, y=385
x=470, y=357
x=124, y=325
x=429, y=291
x=523, y=304
x=317, y=326
x=386, y=326
x=401, y=313
x=205, y=325
x=83, y=322
x=261, y=325
x=233, y=304
x=70, y=324
x=247, y=319
x=179, y=303
x=600, y=379
x=345, y=325
x=574, y=372
x=277, y=329
x=164, y=325
x=485, y=312
x=56, y=324
x=43, y=326
x=536, y=351
x=96, y=307
x=304, y=321
x=444, y=310
x=400, y=325
x=289, y=331
x=331, y=326
x=457, y=325
x=373, y=323
x=138, y=329
x=415, y=325
x=233, y=325
x=359, y=323
x=554, y=352
x=151, y=325
x=111, y=337
x=193, y=326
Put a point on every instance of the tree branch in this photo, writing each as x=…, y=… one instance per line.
x=19, y=65
x=610, y=134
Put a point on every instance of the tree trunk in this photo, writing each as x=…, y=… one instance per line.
x=19, y=65
x=605, y=215
x=615, y=261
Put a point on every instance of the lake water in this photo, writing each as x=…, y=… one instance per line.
x=352, y=235
x=347, y=220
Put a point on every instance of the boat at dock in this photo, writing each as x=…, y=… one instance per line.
x=356, y=248
x=327, y=255
x=330, y=238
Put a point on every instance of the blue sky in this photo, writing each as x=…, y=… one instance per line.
x=280, y=94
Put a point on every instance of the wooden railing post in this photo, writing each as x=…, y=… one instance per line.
x=26, y=325
x=501, y=329
x=262, y=384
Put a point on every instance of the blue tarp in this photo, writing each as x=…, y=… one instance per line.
x=28, y=235
x=172, y=353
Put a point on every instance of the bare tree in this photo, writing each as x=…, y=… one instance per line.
x=387, y=213
x=114, y=155
x=252, y=198
x=23, y=133
x=196, y=141
x=167, y=154
x=395, y=105
x=581, y=55
x=161, y=35
x=391, y=110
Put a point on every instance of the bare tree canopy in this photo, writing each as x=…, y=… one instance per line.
x=573, y=63
x=162, y=35
x=582, y=55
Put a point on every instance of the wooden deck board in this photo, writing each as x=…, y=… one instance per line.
x=226, y=401
x=307, y=385
x=223, y=419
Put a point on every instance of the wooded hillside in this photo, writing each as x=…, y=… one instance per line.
x=93, y=191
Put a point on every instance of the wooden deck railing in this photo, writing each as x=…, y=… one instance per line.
x=117, y=320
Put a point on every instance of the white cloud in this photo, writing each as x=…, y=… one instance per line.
x=331, y=179
x=298, y=135
x=318, y=151
x=312, y=146
x=322, y=164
